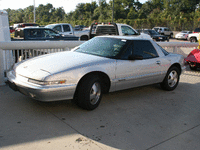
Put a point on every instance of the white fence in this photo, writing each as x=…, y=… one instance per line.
x=14, y=51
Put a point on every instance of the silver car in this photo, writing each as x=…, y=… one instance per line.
x=102, y=64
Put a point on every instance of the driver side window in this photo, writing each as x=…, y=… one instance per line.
x=144, y=48
x=58, y=28
x=49, y=33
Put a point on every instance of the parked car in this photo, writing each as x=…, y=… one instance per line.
x=79, y=27
x=155, y=35
x=19, y=27
x=193, y=59
x=67, y=29
x=12, y=31
x=194, y=37
x=98, y=29
x=42, y=34
x=164, y=31
x=102, y=64
x=182, y=35
x=196, y=30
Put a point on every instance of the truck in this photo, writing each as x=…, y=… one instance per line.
x=194, y=37
x=164, y=31
x=20, y=26
x=98, y=29
x=67, y=29
x=41, y=34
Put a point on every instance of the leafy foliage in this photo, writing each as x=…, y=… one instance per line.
x=176, y=14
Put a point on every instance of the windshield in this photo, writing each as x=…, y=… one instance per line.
x=183, y=31
x=50, y=26
x=102, y=46
x=153, y=32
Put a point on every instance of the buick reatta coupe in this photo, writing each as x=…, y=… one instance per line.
x=102, y=64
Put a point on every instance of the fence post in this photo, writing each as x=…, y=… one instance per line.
x=4, y=36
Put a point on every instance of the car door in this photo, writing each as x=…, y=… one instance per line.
x=35, y=34
x=166, y=31
x=67, y=30
x=133, y=73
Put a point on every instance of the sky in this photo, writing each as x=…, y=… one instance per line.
x=68, y=5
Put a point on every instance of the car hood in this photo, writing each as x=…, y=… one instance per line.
x=40, y=67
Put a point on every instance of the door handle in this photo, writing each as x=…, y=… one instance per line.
x=158, y=62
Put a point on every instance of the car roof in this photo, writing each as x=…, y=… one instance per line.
x=57, y=24
x=136, y=37
x=40, y=28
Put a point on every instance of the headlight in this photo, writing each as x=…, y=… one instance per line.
x=47, y=82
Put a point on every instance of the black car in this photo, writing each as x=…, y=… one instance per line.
x=155, y=35
x=43, y=34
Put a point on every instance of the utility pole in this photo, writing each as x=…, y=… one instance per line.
x=34, y=10
x=112, y=11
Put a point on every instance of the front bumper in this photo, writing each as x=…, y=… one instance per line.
x=42, y=93
x=180, y=37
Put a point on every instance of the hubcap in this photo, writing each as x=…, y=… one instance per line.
x=172, y=78
x=95, y=93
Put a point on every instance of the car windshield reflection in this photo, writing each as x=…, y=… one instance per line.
x=102, y=46
x=152, y=32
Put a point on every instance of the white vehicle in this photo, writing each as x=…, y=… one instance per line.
x=100, y=65
x=164, y=31
x=194, y=37
x=115, y=29
x=67, y=29
x=182, y=35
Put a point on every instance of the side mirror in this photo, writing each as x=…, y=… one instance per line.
x=135, y=57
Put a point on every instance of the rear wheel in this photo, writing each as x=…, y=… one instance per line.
x=193, y=40
x=193, y=67
x=171, y=36
x=84, y=38
x=89, y=93
x=171, y=79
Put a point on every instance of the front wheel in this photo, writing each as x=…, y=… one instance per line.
x=171, y=79
x=193, y=67
x=193, y=40
x=89, y=92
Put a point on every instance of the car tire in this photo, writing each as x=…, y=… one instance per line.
x=171, y=36
x=171, y=79
x=193, y=40
x=193, y=68
x=84, y=38
x=89, y=92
